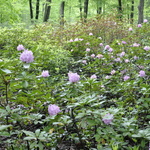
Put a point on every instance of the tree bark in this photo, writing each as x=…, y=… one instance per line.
x=62, y=6
x=47, y=10
x=132, y=12
x=99, y=7
x=80, y=8
x=99, y=10
x=31, y=10
x=86, y=3
x=37, y=9
x=120, y=9
x=141, y=11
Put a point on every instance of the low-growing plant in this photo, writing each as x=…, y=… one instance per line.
x=79, y=94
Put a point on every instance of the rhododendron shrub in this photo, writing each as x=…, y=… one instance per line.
x=102, y=103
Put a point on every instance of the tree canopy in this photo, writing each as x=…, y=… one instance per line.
x=38, y=11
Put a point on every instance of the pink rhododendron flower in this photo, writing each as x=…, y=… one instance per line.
x=117, y=59
x=107, y=77
x=135, y=57
x=130, y=29
x=81, y=39
x=145, y=20
x=107, y=47
x=113, y=72
x=84, y=61
x=142, y=73
x=71, y=40
x=122, y=54
x=126, y=78
x=141, y=67
x=90, y=33
x=139, y=25
x=102, y=86
x=88, y=49
x=73, y=77
x=20, y=47
x=108, y=118
x=99, y=56
x=93, y=55
x=27, y=56
x=53, y=109
x=93, y=76
x=123, y=71
x=124, y=42
x=136, y=45
x=21, y=106
x=147, y=48
x=101, y=44
x=127, y=60
x=87, y=43
x=76, y=39
x=45, y=73
x=110, y=49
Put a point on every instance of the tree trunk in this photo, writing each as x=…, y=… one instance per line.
x=99, y=10
x=31, y=10
x=120, y=9
x=99, y=7
x=37, y=9
x=62, y=6
x=141, y=13
x=47, y=10
x=80, y=8
x=86, y=3
x=132, y=12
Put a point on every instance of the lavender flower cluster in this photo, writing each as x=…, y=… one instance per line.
x=26, y=56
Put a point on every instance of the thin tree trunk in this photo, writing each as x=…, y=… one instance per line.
x=86, y=3
x=37, y=9
x=120, y=9
x=141, y=11
x=128, y=14
x=99, y=7
x=62, y=6
x=104, y=7
x=47, y=10
x=99, y=10
x=80, y=8
x=132, y=12
x=31, y=10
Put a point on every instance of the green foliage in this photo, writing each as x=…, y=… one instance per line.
x=25, y=94
x=16, y=11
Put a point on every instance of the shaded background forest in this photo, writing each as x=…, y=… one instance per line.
x=69, y=11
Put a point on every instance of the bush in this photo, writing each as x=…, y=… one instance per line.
x=108, y=108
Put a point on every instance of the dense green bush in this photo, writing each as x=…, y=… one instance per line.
x=105, y=102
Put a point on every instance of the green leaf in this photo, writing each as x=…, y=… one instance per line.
x=40, y=145
x=6, y=70
x=29, y=138
x=3, y=127
x=37, y=132
x=29, y=133
x=25, y=84
x=26, y=65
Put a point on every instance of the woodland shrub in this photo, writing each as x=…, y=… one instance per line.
x=99, y=92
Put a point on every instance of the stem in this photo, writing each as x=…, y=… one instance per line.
x=38, y=143
x=12, y=147
x=77, y=130
x=9, y=131
x=28, y=147
x=6, y=93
